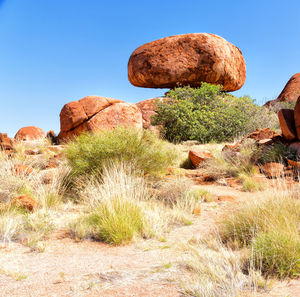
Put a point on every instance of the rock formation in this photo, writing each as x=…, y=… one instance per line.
x=291, y=91
x=188, y=59
x=30, y=133
x=94, y=113
x=147, y=108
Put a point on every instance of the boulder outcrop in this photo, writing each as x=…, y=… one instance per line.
x=188, y=59
x=94, y=113
x=30, y=133
x=291, y=91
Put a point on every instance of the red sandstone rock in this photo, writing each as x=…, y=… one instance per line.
x=287, y=124
x=297, y=117
x=30, y=133
x=262, y=134
x=21, y=169
x=24, y=201
x=188, y=59
x=199, y=157
x=94, y=113
x=290, y=92
x=147, y=108
x=273, y=169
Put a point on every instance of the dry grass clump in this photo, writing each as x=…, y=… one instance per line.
x=211, y=270
x=269, y=226
x=16, y=222
x=115, y=212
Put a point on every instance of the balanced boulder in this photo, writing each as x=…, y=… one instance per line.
x=94, y=113
x=30, y=133
x=287, y=124
x=188, y=59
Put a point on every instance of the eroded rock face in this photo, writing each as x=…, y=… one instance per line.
x=147, y=108
x=94, y=113
x=30, y=133
x=188, y=59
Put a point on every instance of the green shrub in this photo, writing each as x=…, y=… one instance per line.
x=277, y=254
x=207, y=114
x=88, y=153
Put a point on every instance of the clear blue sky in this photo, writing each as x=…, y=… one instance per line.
x=56, y=51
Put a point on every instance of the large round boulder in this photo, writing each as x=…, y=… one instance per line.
x=30, y=133
x=188, y=59
x=290, y=92
x=94, y=113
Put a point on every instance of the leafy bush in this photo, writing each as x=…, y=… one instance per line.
x=207, y=114
x=88, y=153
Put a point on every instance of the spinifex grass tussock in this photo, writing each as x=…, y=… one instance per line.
x=89, y=153
x=269, y=227
x=115, y=211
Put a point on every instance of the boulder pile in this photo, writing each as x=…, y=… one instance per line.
x=187, y=60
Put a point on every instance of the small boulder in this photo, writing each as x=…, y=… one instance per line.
x=187, y=60
x=273, y=170
x=25, y=202
x=287, y=124
x=30, y=133
x=199, y=157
